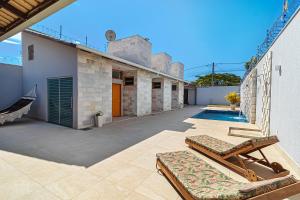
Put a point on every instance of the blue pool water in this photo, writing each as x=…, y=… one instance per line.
x=232, y=116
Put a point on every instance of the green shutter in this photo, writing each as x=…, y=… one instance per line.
x=60, y=102
x=53, y=101
x=66, y=107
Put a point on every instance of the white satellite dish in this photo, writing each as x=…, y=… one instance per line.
x=110, y=35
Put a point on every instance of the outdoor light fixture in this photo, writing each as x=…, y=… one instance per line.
x=278, y=68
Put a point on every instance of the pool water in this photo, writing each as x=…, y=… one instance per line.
x=233, y=116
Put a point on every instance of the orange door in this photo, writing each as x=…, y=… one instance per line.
x=116, y=100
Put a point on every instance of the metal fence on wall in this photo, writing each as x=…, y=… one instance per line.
x=274, y=32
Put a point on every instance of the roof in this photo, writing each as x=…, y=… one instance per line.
x=16, y=15
x=105, y=55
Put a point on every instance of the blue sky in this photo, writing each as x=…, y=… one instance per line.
x=195, y=32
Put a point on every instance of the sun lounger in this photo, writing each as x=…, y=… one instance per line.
x=222, y=152
x=195, y=179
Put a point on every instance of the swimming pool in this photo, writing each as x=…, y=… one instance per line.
x=233, y=116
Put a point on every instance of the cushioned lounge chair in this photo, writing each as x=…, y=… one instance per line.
x=222, y=152
x=195, y=179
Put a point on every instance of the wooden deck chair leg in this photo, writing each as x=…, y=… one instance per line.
x=249, y=174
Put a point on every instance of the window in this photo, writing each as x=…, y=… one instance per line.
x=30, y=52
x=129, y=81
x=156, y=85
x=117, y=74
x=174, y=87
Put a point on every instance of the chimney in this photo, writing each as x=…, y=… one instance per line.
x=161, y=62
x=135, y=49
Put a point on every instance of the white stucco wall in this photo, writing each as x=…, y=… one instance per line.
x=285, y=92
x=51, y=59
x=214, y=95
x=10, y=84
x=192, y=96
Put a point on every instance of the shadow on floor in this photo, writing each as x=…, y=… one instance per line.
x=85, y=148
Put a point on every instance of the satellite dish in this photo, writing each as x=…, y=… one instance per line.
x=110, y=35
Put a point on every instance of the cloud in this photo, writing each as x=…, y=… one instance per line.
x=15, y=40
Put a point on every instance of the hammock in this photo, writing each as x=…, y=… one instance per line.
x=18, y=109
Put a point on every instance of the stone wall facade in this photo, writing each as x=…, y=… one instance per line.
x=135, y=49
x=248, y=96
x=130, y=95
x=167, y=94
x=144, y=93
x=180, y=94
x=177, y=70
x=161, y=62
x=94, y=89
x=177, y=96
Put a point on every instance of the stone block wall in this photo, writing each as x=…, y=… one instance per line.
x=177, y=70
x=248, y=96
x=94, y=89
x=167, y=94
x=130, y=95
x=135, y=49
x=161, y=62
x=175, y=96
x=157, y=97
x=180, y=94
x=144, y=93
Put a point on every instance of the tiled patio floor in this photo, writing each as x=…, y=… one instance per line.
x=129, y=174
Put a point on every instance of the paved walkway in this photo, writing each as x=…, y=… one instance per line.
x=44, y=161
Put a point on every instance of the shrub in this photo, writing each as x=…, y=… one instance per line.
x=233, y=98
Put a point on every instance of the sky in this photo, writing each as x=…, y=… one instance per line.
x=194, y=32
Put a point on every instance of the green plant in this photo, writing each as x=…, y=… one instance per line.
x=233, y=98
x=225, y=79
x=98, y=114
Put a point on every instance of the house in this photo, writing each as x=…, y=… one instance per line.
x=75, y=82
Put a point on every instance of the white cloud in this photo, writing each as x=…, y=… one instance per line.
x=15, y=40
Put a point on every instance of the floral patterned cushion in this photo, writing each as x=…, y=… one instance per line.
x=215, y=145
x=261, y=187
x=204, y=182
x=200, y=179
x=223, y=148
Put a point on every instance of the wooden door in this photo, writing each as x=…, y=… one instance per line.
x=116, y=100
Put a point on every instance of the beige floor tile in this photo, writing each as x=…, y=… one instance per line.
x=104, y=190
x=129, y=176
x=39, y=195
x=106, y=167
x=137, y=196
x=157, y=187
x=17, y=188
x=69, y=187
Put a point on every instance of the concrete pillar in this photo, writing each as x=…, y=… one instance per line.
x=144, y=93
x=177, y=95
x=130, y=94
x=167, y=94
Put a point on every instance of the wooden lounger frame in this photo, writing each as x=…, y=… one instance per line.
x=241, y=129
x=278, y=194
x=242, y=155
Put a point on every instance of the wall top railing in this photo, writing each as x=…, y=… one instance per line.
x=59, y=35
x=274, y=32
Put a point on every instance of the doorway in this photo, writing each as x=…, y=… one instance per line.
x=116, y=100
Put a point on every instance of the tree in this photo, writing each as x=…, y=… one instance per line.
x=225, y=79
x=251, y=63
